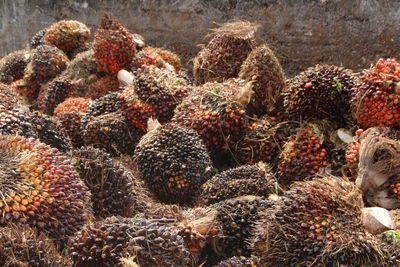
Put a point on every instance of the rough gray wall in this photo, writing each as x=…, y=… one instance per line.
x=352, y=33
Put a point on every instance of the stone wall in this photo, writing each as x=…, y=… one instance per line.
x=351, y=33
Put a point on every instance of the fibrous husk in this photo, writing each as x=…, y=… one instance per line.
x=379, y=170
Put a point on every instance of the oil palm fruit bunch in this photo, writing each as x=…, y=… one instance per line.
x=239, y=262
x=67, y=35
x=113, y=46
x=152, y=242
x=69, y=115
x=23, y=246
x=15, y=122
x=264, y=140
x=9, y=98
x=263, y=68
x=353, y=150
x=103, y=86
x=54, y=93
x=45, y=63
x=257, y=180
x=12, y=66
x=376, y=100
x=236, y=220
x=216, y=111
x=147, y=57
x=105, y=126
x=40, y=188
x=160, y=88
x=228, y=48
x=320, y=92
x=173, y=162
x=378, y=174
x=168, y=56
x=318, y=223
x=37, y=39
x=305, y=153
x=111, y=185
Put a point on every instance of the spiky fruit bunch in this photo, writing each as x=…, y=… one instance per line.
x=45, y=63
x=9, y=98
x=173, y=162
x=113, y=46
x=376, y=100
x=111, y=184
x=236, y=219
x=263, y=68
x=353, y=150
x=239, y=262
x=137, y=111
x=103, y=86
x=49, y=131
x=73, y=104
x=215, y=113
x=54, y=93
x=151, y=242
x=103, y=105
x=40, y=188
x=162, y=89
x=12, y=66
x=256, y=180
x=264, y=140
x=304, y=154
x=15, y=122
x=38, y=39
x=147, y=57
x=23, y=246
x=168, y=56
x=320, y=92
x=317, y=222
x=67, y=35
x=222, y=57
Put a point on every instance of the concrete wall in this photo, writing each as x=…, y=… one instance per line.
x=352, y=33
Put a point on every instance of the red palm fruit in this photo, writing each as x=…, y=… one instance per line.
x=114, y=47
x=67, y=35
x=263, y=68
x=216, y=113
x=147, y=57
x=305, y=154
x=40, y=188
x=103, y=86
x=376, y=100
x=222, y=57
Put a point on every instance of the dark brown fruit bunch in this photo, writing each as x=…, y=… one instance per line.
x=257, y=180
x=320, y=92
x=9, y=98
x=376, y=100
x=23, y=246
x=15, y=122
x=216, y=113
x=263, y=68
x=54, y=93
x=223, y=56
x=305, y=153
x=173, y=162
x=111, y=184
x=38, y=38
x=239, y=262
x=162, y=89
x=316, y=223
x=40, y=188
x=264, y=141
x=67, y=35
x=151, y=242
x=236, y=220
x=45, y=63
x=12, y=66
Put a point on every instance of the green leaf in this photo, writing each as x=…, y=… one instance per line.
x=338, y=85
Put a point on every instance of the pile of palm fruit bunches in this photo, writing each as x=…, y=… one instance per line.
x=111, y=154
